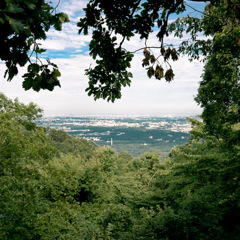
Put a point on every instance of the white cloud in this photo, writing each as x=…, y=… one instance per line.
x=73, y=7
x=67, y=38
x=145, y=96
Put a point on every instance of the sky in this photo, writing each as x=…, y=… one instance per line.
x=145, y=96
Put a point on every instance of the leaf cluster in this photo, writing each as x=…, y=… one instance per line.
x=22, y=24
x=41, y=77
x=123, y=19
x=110, y=73
x=219, y=89
x=157, y=70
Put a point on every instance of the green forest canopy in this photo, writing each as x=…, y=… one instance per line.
x=57, y=186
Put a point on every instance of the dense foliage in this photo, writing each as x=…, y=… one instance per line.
x=219, y=89
x=125, y=19
x=22, y=23
x=56, y=186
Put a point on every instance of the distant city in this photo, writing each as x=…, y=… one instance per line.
x=134, y=135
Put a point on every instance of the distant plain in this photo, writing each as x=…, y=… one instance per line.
x=134, y=135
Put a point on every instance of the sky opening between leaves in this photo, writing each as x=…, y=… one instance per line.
x=145, y=96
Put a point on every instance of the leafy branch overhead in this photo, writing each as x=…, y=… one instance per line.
x=156, y=68
x=125, y=19
x=112, y=23
x=23, y=22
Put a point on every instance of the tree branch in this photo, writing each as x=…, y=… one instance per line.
x=147, y=47
x=193, y=8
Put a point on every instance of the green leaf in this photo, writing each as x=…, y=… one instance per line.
x=16, y=25
x=40, y=50
x=56, y=72
x=33, y=68
x=13, y=8
x=27, y=83
x=2, y=20
x=31, y=6
x=63, y=17
x=30, y=41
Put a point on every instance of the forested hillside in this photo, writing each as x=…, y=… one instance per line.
x=56, y=186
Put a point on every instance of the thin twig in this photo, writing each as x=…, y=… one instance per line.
x=194, y=8
x=207, y=15
x=133, y=11
x=56, y=6
x=148, y=47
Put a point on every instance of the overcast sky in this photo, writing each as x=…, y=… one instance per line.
x=145, y=96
